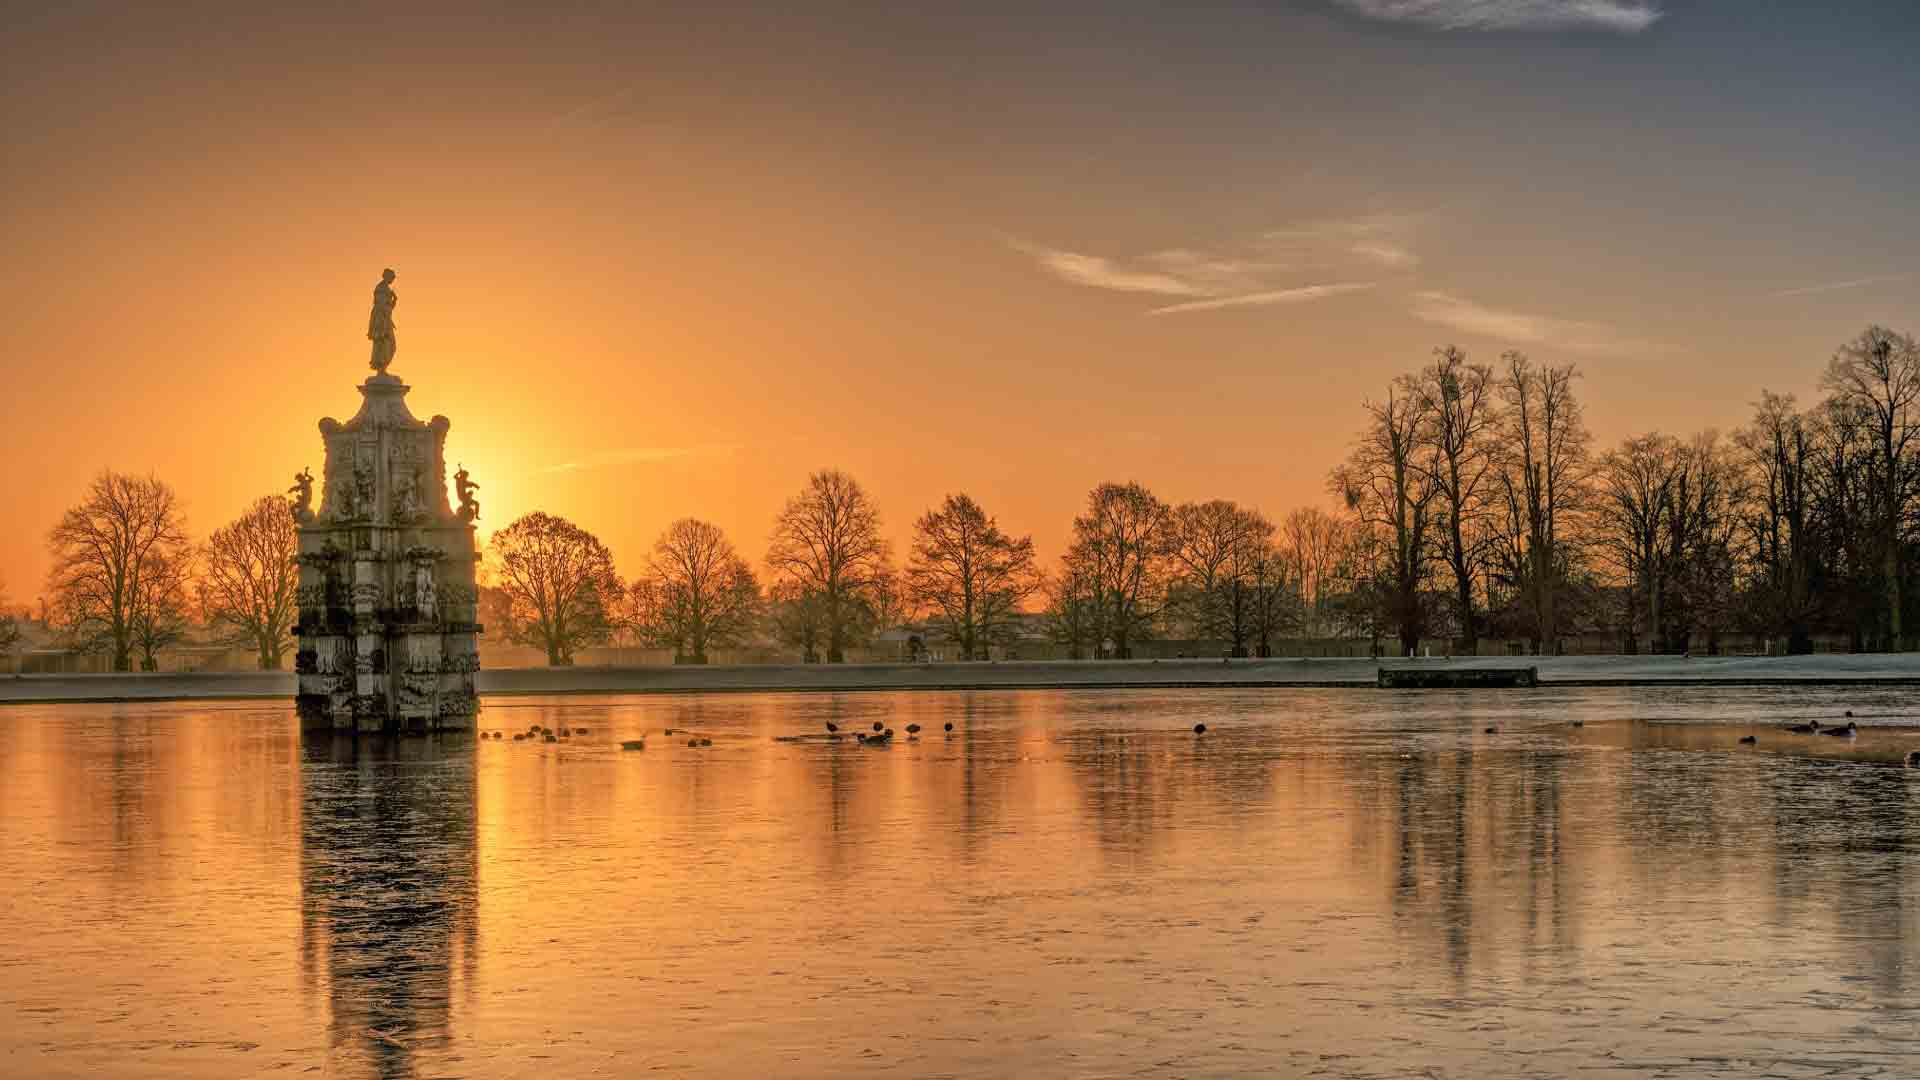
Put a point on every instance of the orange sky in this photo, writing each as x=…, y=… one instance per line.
x=658, y=264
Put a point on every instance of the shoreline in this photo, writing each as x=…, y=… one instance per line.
x=1332, y=673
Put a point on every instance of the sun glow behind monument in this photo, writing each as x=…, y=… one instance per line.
x=387, y=596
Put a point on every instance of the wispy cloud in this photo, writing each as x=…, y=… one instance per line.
x=1255, y=274
x=1099, y=273
x=638, y=455
x=1262, y=299
x=1387, y=254
x=1384, y=240
x=1617, y=16
x=1521, y=328
x=1836, y=286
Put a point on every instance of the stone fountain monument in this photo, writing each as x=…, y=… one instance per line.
x=387, y=597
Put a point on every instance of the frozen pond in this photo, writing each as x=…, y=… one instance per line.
x=1328, y=883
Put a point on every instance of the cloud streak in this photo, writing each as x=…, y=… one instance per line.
x=1330, y=255
x=1836, y=286
x=1263, y=299
x=1096, y=272
x=1521, y=328
x=1615, y=16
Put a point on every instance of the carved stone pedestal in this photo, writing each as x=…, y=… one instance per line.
x=388, y=631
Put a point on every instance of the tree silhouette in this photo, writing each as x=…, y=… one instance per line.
x=119, y=563
x=249, y=580
x=559, y=583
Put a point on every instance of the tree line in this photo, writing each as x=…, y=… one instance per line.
x=1473, y=505
x=127, y=580
x=1482, y=507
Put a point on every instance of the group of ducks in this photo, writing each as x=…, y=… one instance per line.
x=536, y=733
x=693, y=739
x=882, y=734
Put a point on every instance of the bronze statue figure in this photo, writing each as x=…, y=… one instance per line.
x=464, y=488
x=302, y=492
x=380, y=323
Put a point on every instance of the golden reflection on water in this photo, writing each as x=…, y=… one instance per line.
x=1351, y=882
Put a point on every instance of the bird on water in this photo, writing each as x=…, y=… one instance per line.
x=1199, y=729
x=1807, y=728
x=878, y=726
x=832, y=727
x=1748, y=740
x=1847, y=732
x=913, y=731
x=949, y=727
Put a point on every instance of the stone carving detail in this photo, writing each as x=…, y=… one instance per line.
x=302, y=492
x=406, y=494
x=469, y=506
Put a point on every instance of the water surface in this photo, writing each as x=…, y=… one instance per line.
x=1328, y=883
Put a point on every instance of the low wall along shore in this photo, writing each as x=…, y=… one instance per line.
x=1885, y=669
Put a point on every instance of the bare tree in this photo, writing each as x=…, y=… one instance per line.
x=1217, y=546
x=827, y=543
x=1387, y=482
x=10, y=635
x=1878, y=374
x=969, y=573
x=250, y=581
x=1544, y=474
x=1462, y=418
x=1121, y=544
x=797, y=617
x=119, y=551
x=1076, y=609
x=1701, y=534
x=1274, y=606
x=559, y=583
x=697, y=592
x=1780, y=457
x=1636, y=502
x=1312, y=542
x=163, y=614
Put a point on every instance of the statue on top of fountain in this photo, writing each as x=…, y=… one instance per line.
x=380, y=323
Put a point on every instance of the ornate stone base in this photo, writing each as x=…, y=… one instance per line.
x=387, y=630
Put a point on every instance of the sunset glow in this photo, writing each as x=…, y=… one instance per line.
x=666, y=263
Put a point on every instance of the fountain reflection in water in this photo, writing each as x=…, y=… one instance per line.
x=389, y=876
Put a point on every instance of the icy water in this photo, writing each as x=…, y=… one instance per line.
x=1342, y=884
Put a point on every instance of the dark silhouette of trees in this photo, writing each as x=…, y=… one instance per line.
x=797, y=617
x=1636, y=501
x=1463, y=417
x=1274, y=605
x=1076, y=610
x=249, y=580
x=1312, y=545
x=1121, y=548
x=1877, y=378
x=1221, y=556
x=559, y=583
x=1387, y=483
x=1543, y=487
x=827, y=544
x=697, y=592
x=10, y=635
x=119, y=561
x=1776, y=518
x=969, y=574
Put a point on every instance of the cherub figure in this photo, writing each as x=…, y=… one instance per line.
x=302, y=492
x=464, y=488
